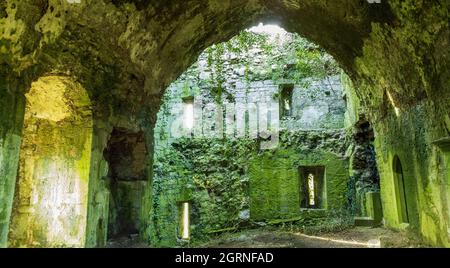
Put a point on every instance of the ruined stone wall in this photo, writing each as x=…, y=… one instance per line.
x=403, y=88
x=318, y=105
x=228, y=179
x=275, y=184
x=100, y=209
x=12, y=116
x=125, y=53
x=92, y=216
x=426, y=184
x=253, y=69
x=395, y=52
x=230, y=183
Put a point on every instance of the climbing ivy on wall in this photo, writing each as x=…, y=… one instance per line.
x=213, y=175
x=313, y=62
x=262, y=57
x=210, y=174
x=287, y=57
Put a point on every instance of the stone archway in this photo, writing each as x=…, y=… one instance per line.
x=129, y=51
x=50, y=203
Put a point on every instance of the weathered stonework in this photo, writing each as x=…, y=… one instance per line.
x=227, y=178
x=52, y=183
x=126, y=53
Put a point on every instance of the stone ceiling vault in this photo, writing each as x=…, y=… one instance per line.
x=132, y=50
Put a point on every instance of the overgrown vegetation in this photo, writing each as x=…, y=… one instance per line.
x=213, y=175
x=208, y=173
x=261, y=56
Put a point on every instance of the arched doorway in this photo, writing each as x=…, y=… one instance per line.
x=127, y=181
x=231, y=169
x=400, y=191
x=50, y=202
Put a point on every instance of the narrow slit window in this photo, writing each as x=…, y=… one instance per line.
x=286, y=100
x=185, y=220
x=311, y=195
x=188, y=113
x=312, y=187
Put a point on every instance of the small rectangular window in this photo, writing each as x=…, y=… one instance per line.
x=188, y=113
x=312, y=187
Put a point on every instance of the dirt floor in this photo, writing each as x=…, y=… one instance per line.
x=357, y=237
x=131, y=241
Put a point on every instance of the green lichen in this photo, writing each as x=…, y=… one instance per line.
x=223, y=178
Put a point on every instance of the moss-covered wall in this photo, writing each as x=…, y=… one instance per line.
x=395, y=52
x=275, y=180
x=12, y=107
x=403, y=87
x=353, y=104
x=139, y=200
x=425, y=183
x=211, y=175
x=274, y=186
x=230, y=183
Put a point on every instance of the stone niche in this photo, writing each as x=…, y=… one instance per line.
x=50, y=202
x=127, y=156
